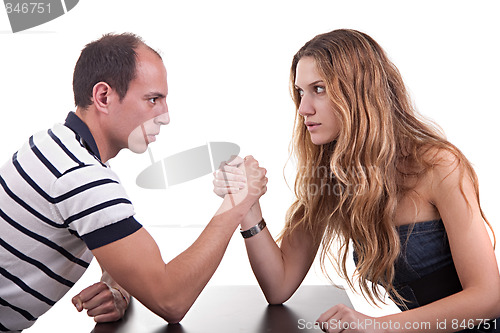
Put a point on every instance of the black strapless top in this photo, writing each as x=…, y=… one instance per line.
x=424, y=270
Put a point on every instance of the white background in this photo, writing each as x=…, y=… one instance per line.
x=228, y=66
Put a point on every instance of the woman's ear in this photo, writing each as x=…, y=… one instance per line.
x=101, y=96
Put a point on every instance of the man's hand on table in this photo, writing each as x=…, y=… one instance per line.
x=103, y=302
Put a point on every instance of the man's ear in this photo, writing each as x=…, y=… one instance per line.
x=101, y=96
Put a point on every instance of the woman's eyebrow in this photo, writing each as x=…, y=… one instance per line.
x=316, y=82
x=310, y=84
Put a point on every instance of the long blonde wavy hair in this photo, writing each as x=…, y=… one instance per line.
x=347, y=191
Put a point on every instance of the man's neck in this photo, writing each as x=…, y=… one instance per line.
x=90, y=118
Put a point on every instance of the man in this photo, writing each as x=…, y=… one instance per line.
x=60, y=204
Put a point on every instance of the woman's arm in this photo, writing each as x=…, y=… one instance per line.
x=473, y=256
x=471, y=249
x=278, y=269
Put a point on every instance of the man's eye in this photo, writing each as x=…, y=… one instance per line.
x=319, y=89
x=153, y=100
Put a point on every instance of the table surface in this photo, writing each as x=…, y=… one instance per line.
x=236, y=309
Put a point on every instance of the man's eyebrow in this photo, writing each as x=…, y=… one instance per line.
x=155, y=94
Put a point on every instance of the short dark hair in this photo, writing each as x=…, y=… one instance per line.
x=110, y=59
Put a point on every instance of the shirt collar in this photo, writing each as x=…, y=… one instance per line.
x=77, y=125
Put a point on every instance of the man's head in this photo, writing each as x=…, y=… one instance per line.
x=120, y=87
x=111, y=59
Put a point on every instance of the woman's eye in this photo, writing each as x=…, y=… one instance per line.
x=300, y=92
x=319, y=89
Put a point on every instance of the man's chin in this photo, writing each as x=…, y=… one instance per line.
x=138, y=149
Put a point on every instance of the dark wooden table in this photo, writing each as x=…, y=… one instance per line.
x=236, y=309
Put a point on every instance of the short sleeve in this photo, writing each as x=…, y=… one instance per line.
x=91, y=202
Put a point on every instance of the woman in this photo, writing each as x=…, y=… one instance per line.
x=376, y=178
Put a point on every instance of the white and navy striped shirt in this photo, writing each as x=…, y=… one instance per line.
x=57, y=202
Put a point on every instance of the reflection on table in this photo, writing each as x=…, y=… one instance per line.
x=231, y=309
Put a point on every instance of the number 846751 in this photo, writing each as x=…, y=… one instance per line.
x=28, y=8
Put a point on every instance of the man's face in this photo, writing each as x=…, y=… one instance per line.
x=138, y=117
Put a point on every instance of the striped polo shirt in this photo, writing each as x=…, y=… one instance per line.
x=57, y=202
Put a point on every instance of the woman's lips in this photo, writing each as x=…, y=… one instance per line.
x=312, y=125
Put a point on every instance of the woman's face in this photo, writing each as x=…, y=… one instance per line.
x=315, y=106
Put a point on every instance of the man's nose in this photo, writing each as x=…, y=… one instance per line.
x=164, y=117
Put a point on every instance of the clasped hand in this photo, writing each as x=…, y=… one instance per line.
x=242, y=178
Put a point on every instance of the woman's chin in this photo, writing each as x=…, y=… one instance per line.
x=322, y=140
x=319, y=141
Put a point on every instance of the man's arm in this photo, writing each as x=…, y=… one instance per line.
x=170, y=289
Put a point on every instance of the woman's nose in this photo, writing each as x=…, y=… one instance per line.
x=306, y=108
